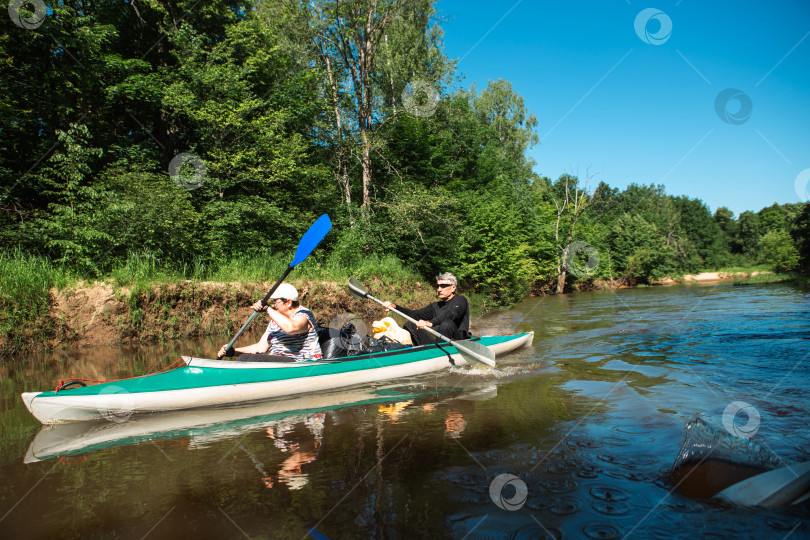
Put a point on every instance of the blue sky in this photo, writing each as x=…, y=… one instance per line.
x=620, y=109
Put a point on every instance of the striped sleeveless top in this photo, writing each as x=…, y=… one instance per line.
x=303, y=347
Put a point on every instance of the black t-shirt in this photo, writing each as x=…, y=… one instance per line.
x=456, y=309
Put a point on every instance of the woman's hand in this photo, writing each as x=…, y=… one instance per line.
x=222, y=351
x=259, y=306
x=389, y=305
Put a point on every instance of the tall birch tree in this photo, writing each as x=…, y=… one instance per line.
x=369, y=50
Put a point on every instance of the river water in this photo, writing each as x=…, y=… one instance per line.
x=573, y=437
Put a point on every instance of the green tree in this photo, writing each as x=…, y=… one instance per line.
x=773, y=217
x=248, y=109
x=776, y=248
x=511, y=131
x=71, y=228
x=800, y=232
x=748, y=234
x=697, y=224
x=420, y=226
x=106, y=69
x=639, y=250
x=495, y=251
x=370, y=51
x=144, y=211
x=459, y=153
x=656, y=207
x=728, y=225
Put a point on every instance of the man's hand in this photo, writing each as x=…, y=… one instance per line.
x=222, y=351
x=423, y=324
x=389, y=305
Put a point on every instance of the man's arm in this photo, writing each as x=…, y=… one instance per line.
x=455, y=309
x=419, y=314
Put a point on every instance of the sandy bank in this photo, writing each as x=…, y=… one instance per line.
x=709, y=277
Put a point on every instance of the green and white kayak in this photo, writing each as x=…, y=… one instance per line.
x=200, y=427
x=209, y=383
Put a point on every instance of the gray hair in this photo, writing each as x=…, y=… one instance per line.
x=447, y=276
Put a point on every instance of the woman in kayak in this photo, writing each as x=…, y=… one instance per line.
x=291, y=334
x=450, y=316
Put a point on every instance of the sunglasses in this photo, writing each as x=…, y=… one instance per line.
x=443, y=285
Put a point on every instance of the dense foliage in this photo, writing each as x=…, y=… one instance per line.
x=204, y=132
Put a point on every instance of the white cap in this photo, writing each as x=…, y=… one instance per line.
x=286, y=291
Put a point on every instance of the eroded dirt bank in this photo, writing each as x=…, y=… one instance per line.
x=99, y=313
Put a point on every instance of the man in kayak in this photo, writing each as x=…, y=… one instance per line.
x=450, y=316
x=291, y=334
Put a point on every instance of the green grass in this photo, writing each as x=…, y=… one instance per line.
x=143, y=267
x=744, y=269
x=772, y=278
x=25, y=282
x=373, y=265
x=252, y=268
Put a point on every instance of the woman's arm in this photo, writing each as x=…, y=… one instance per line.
x=259, y=347
x=297, y=324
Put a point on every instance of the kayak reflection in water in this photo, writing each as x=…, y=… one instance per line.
x=291, y=334
x=450, y=316
x=301, y=452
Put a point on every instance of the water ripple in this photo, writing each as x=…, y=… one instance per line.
x=601, y=531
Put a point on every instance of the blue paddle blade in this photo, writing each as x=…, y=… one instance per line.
x=311, y=239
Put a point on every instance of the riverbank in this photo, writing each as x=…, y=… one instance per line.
x=713, y=277
x=86, y=314
x=44, y=305
x=737, y=277
x=41, y=307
